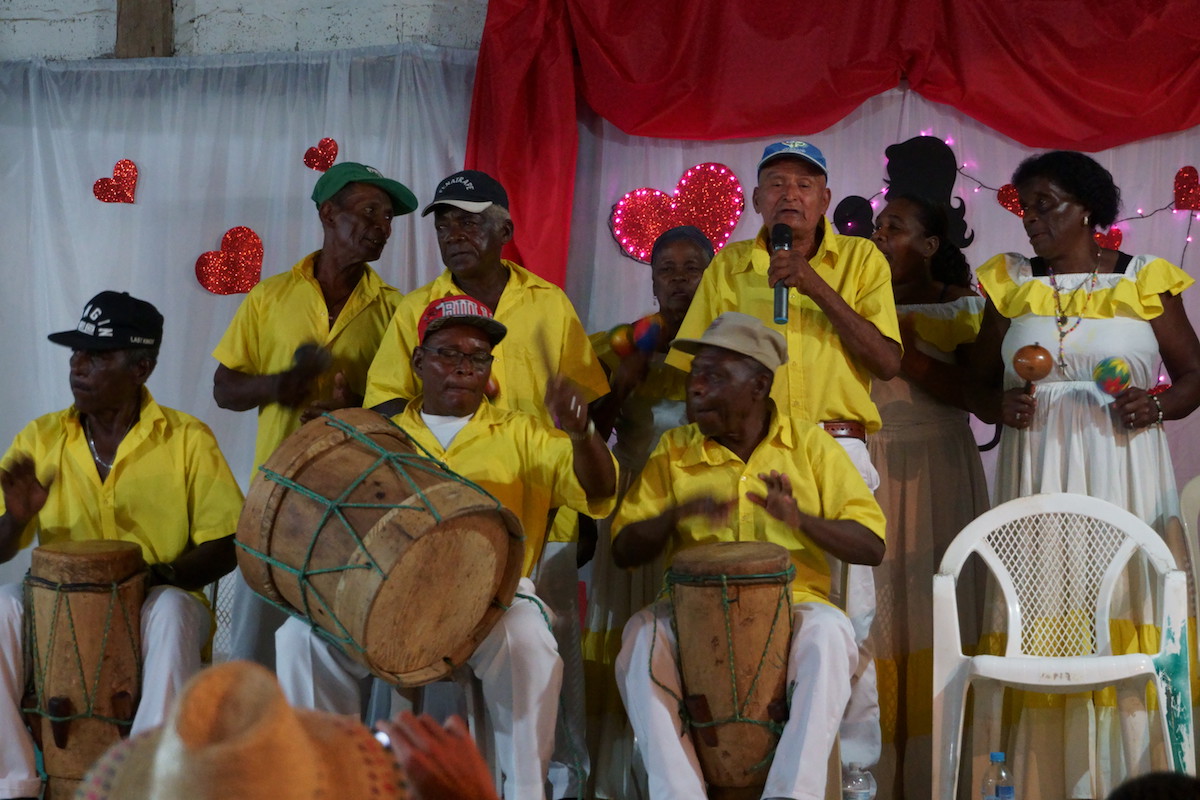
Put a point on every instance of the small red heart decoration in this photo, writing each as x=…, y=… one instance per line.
x=1007, y=197
x=322, y=156
x=708, y=196
x=120, y=187
x=1110, y=240
x=236, y=267
x=1187, y=189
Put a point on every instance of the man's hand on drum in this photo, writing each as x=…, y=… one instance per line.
x=778, y=501
x=716, y=511
x=441, y=763
x=24, y=494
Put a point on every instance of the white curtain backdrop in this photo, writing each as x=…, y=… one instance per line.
x=609, y=288
x=219, y=142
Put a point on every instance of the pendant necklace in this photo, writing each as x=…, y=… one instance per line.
x=1061, y=320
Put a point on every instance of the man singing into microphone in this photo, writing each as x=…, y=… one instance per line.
x=841, y=331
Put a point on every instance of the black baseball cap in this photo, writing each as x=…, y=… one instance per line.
x=470, y=190
x=114, y=321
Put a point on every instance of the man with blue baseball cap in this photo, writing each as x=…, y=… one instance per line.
x=301, y=341
x=839, y=320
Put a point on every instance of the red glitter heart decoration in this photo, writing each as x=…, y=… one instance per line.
x=120, y=187
x=236, y=267
x=322, y=156
x=1110, y=240
x=1187, y=189
x=1007, y=197
x=708, y=196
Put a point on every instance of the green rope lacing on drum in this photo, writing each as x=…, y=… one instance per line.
x=41, y=670
x=739, y=706
x=576, y=765
x=402, y=464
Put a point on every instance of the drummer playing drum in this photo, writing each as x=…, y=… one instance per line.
x=742, y=472
x=116, y=465
x=530, y=468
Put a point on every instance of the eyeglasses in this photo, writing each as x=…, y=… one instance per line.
x=454, y=358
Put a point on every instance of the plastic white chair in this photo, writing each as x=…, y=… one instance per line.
x=1056, y=559
x=1189, y=509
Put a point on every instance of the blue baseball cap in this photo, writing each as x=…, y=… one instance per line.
x=794, y=148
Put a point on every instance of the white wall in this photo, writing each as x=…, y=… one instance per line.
x=83, y=29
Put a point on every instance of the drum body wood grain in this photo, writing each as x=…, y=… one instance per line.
x=733, y=619
x=403, y=563
x=83, y=610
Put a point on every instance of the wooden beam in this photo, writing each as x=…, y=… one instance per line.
x=145, y=29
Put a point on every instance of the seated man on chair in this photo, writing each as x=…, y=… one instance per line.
x=117, y=465
x=744, y=472
x=529, y=467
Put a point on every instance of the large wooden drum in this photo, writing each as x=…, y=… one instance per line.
x=401, y=562
x=83, y=610
x=733, y=621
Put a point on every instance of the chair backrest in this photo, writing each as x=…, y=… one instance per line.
x=1189, y=505
x=1057, y=558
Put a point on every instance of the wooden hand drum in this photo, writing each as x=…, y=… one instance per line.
x=733, y=621
x=83, y=611
x=401, y=562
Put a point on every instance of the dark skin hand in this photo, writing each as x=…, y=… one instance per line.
x=641, y=542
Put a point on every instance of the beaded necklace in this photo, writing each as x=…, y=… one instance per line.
x=1060, y=318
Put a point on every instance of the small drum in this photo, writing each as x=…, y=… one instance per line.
x=732, y=607
x=401, y=562
x=83, y=611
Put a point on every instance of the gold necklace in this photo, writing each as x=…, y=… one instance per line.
x=1060, y=318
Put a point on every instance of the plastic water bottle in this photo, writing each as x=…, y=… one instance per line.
x=858, y=783
x=997, y=781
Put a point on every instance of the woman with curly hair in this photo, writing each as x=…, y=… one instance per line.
x=1085, y=303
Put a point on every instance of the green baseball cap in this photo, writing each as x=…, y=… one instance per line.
x=336, y=177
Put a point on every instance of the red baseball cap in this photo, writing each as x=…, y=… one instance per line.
x=459, y=309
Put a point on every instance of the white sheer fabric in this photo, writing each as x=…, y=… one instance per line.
x=218, y=142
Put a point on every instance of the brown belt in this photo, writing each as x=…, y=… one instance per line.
x=845, y=429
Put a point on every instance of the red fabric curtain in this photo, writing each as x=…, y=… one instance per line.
x=1075, y=74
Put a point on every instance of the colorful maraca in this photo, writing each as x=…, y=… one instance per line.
x=1112, y=375
x=492, y=387
x=645, y=335
x=1032, y=363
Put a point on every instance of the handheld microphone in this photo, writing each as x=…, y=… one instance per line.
x=781, y=239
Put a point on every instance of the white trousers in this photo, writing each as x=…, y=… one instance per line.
x=175, y=626
x=517, y=665
x=822, y=658
x=861, y=736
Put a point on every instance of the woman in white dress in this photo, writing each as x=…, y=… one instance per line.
x=1084, y=303
x=647, y=398
x=931, y=479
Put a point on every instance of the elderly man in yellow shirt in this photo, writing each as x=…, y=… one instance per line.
x=743, y=471
x=841, y=330
x=117, y=466
x=302, y=341
x=530, y=468
x=545, y=339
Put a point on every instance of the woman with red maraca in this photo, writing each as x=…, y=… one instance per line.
x=1084, y=303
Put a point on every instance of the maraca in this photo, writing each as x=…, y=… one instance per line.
x=644, y=335
x=492, y=387
x=1032, y=362
x=1112, y=375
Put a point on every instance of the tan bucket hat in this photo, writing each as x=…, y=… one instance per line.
x=231, y=734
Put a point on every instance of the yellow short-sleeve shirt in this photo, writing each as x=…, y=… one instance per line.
x=687, y=465
x=821, y=379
